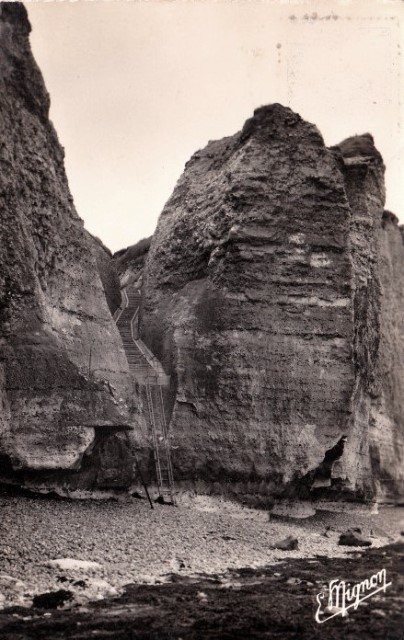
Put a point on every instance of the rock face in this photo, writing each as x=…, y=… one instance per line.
x=129, y=262
x=64, y=380
x=386, y=436
x=272, y=296
x=107, y=272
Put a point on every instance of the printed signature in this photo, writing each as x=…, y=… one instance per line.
x=342, y=596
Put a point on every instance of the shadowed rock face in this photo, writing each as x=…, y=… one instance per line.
x=129, y=262
x=64, y=379
x=107, y=272
x=386, y=435
x=263, y=297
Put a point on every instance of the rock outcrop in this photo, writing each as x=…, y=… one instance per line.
x=64, y=379
x=272, y=296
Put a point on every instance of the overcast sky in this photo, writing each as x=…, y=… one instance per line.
x=137, y=87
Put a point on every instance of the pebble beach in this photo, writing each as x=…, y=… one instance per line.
x=126, y=542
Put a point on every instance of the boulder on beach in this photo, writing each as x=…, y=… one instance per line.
x=352, y=538
x=287, y=544
x=52, y=599
x=71, y=564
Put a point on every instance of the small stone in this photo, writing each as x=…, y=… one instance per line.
x=288, y=544
x=353, y=539
x=80, y=583
x=202, y=596
x=328, y=531
x=12, y=583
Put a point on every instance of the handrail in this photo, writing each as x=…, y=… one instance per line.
x=149, y=357
x=133, y=323
x=122, y=308
x=147, y=354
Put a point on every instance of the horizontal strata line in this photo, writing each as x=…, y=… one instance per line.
x=269, y=333
x=252, y=241
x=313, y=301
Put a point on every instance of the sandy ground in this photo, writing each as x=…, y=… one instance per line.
x=133, y=544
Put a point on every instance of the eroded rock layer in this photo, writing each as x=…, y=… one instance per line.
x=64, y=380
x=264, y=298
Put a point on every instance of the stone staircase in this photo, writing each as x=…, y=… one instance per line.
x=143, y=365
x=149, y=374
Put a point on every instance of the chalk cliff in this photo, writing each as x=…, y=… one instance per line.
x=64, y=379
x=272, y=294
x=386, y=435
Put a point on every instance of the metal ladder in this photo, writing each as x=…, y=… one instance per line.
x=161, y=446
